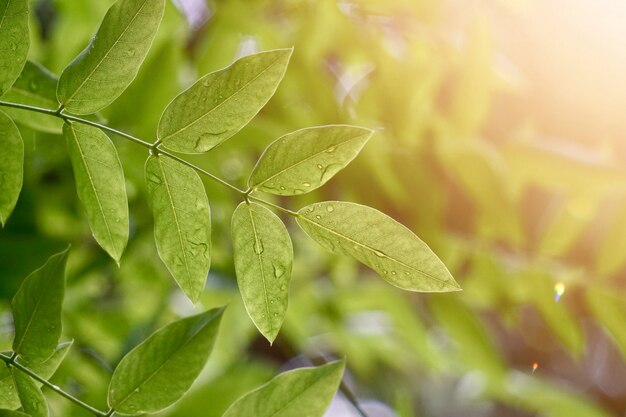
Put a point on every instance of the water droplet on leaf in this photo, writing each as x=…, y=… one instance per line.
x=279, y=271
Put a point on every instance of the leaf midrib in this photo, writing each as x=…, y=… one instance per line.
x=165, y=362
x=99, y=63
x=4, y=13
x=426, y=274
x=245, y=85
x=178, y=228
x=260, y=259
x=30, y=319
x=260, y=184
x=95, y=191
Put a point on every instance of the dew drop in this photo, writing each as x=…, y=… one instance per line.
x=330, y=209
x=317, y=216
x=279, y=271
x=385, y=271
x=319, y=166
x=282, y=187
x=379, y=253
x=393, y=272
x=331, y=149
x=306, y=184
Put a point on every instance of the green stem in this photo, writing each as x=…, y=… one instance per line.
x=202, y=171
x=148, y=145
x=152, y=147
x=276, y=206
x=10, y=361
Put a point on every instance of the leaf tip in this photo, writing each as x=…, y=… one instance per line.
x=453, y=286
x=270, y=336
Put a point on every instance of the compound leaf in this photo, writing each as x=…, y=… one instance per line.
x=36, y=86
x=14, y=41
x=182, y=222
x=305, y=392
x=219, y=104
x=299, y=162
x=11, y=166
x=37, y=310
x=263, y=259
x=32, y=399
x=103, y=70
x=378, y=241
x=160, y=370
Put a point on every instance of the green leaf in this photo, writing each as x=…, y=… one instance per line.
x=11, y=166
x=47, y=368
x=36, y=86
x=182, y=222
x=14, y=41
x=37, y=310
x=11, y=413
x=306, y=159
x=305, y=392
x=31, y=397
x=100, y=185
x=219, y=104
x=263, y=259
x=101, y=72
x=378, y=241
x=160, y=370
x=8, y=392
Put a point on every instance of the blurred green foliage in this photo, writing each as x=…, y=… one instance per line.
x=511, y=212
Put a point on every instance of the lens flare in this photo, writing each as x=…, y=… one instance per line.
x=559, y=290
x=535, y=366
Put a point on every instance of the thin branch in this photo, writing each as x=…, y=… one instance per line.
x=202, y=171
x=10, y=361
x=267, y=203
x=152, y=147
